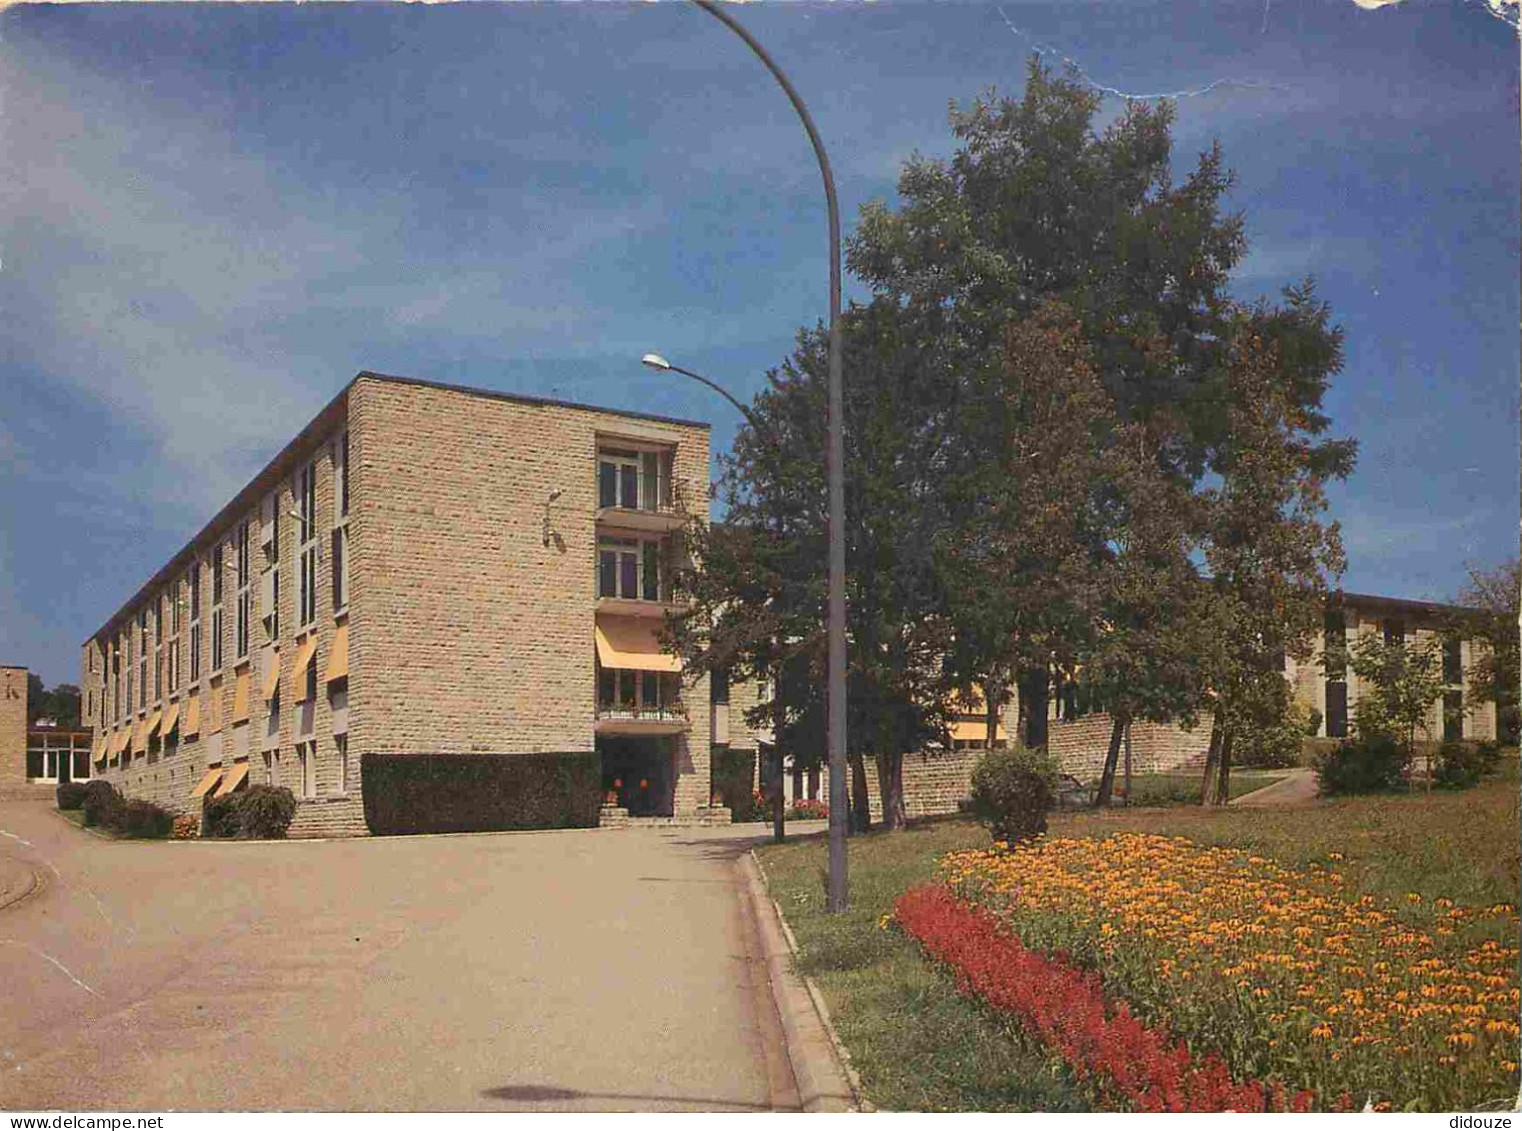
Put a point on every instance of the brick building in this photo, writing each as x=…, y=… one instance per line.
x=424, y=569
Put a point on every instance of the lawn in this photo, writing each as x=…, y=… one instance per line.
x=919, y=1046
x=1184, y=789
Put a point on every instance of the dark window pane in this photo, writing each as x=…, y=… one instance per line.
x=652, y=587
x=650, y=690
x=1453, y=660
x=1395, y=632
x=628, y=570
x=607, y=573
x=1453, y=714
x=605, y=691
x=626, y=689
x=34, y=763
x=607, y=485
x=649, y=465
x=628, y=486
x=718, y=686
x=1336, y=709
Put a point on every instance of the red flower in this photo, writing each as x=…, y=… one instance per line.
x=1065, y=1008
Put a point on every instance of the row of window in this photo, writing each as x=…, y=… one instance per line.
x=123, y=660
x=306, y=779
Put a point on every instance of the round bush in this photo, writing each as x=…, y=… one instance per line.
x=220, y=818
x=102, y=805
x=1012, y=792
x=1373, y=764
x=264, y=812
x=1459, y=765
x=146, y=820
x=70, y=794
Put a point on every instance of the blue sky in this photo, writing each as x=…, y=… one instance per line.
x=214, y=216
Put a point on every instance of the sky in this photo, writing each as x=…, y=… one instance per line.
x=213, y=216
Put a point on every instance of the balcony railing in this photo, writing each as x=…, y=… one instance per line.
x=667, y=713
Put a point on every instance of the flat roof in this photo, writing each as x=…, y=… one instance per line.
x=1405, y=603
x=245, y=498
x=524, y=398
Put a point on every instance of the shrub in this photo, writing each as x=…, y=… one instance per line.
x=1012, y=792
x=1459, y=765
x=810, y=811
x=1490, y=756
x=102, y=805
x=70, y=794
x=145, y=820
x=264, y=812
x=1277, y=744
x=186, y=827
x=438, y=793
x=1370, y=764
x=220, y=817
x=734, y=781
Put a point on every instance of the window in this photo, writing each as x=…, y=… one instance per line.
x=629, y=692
x=272, y=767
x=195, y=622
x=341, y=747
x=1334, y=631
x=340, y=554
x=1453, y=660
x=718, y=686
x=158, y=649
x=306, y=491
x=174, y=637
x=307, y=759
x=1453, y=715
x=269, y=579
x=1336, y=709
x=1395, y=631
x=216, y=608
x=634, y=480
x=116, y=681
x=629, y=568
x=142, y=660
x=244, y=597
x=129, y=670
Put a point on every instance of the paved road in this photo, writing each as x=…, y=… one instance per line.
x=595, y=970
x=1298, y=787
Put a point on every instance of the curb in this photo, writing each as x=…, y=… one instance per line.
x=825, y=1080
x=9, y=898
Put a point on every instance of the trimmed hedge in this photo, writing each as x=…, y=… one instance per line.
x=1013, y=791
x=102, y=805
x=145, y=820
x=734, y=780
x=70, y=794
x=467, y=793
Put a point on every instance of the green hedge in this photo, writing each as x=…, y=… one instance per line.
x=466, y=793
x=260, y=812
x=734, y=780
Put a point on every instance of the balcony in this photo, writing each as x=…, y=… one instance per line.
x=632, y=607
x=627, y=718
x=650, y=520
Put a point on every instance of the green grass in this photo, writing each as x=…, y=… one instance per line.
x=1184, y=789
x=920, y=1047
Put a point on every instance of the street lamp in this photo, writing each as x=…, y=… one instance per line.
x=835, y=734
x=769, y=438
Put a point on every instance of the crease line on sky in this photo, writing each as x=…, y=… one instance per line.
x=1192, y=92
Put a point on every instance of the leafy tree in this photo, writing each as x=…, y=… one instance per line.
x=1401, y=680
x=60, y=703
x=1492, y=618
x=763, y=581
x=1267, y=549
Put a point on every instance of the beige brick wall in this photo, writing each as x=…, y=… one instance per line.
x=934, y=783
x=12, y=726
x=474, y=635
x=1080, y=746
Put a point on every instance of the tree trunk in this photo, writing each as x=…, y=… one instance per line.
x=1216, y=788
x=779, y=717
x=890, y=783
x=1128, y=762
x=1212, y=762
x=861, y=806
x=993, y=720
x=1112, y=760
x=1035, y=689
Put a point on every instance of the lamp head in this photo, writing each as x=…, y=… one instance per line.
x=553, y=496
x=655, y=361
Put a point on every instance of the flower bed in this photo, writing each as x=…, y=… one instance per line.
x=1279, y=971
x=1065, y=1007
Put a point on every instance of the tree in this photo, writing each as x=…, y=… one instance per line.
x=1491, y=618
x=61, y=703
x=762, y=582
x=1267, y=549
x=1401, y=680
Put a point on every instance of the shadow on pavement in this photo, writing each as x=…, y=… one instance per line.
x=545, y=1093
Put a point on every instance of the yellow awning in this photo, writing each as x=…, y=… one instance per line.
x=98, y=749
x=232, y=779
x=205, y=784
x=338, y=658
x=191, y=723
x=629, y=643
x=240, y=697
x=304, y=656
x=272, y=676
x=171, y=716
x=140, y=736
x=124, y=739
x=214, y=708
x=975, y=732
x=118, y=740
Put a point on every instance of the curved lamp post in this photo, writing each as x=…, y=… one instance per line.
x=835, y=698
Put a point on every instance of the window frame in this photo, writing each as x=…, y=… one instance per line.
x=622, y=546
x=243, y=595
x=339, y=570
x=306, y=614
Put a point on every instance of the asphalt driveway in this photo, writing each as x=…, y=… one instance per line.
x=585, y=970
